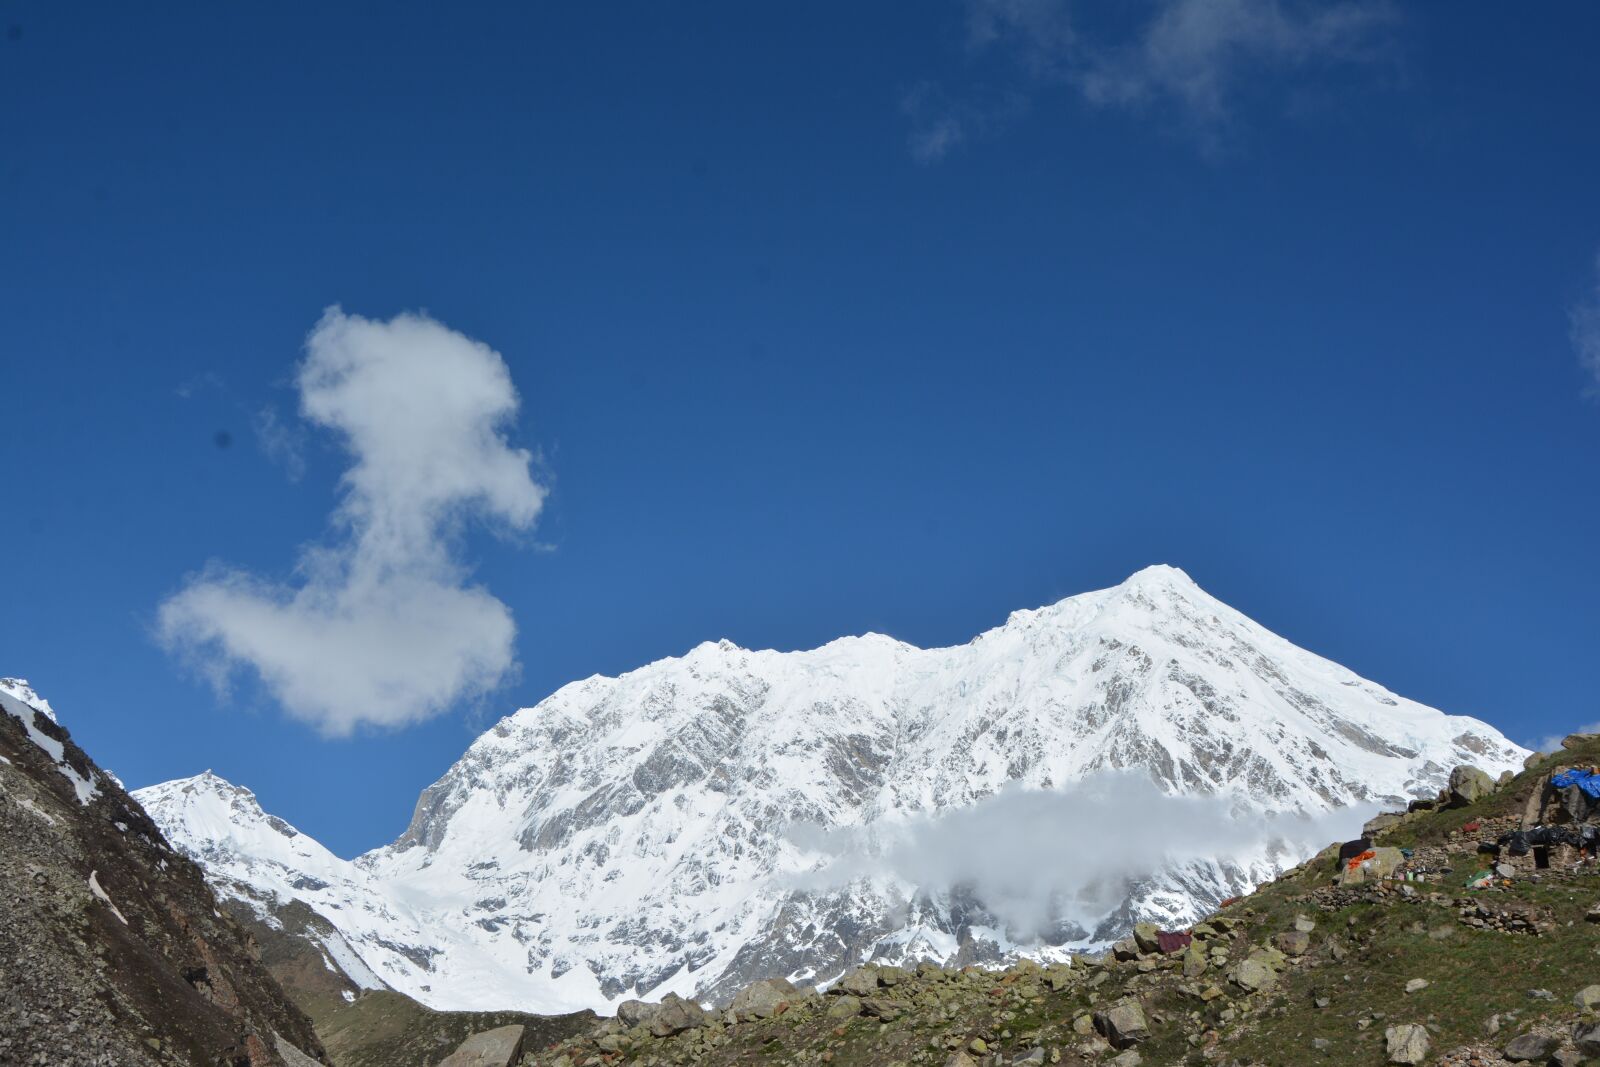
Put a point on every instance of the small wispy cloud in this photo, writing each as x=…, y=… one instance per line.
x=1586, y=332
x=1187, y=59
x=1194, y=52
x=381, y=625
x=940, y=124
x=280, y=442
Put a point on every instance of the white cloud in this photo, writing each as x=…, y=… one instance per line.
x=1586, y=332
x=1189, y=54
x=381, y=626
x=1552, y=743
x=1193, y=51
x=279, y=442
x=1034, y=858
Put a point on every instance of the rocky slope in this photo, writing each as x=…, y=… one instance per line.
x=112, y=949
x=733, y=814
x=1392, y=959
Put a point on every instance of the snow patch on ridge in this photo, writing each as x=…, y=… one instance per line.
x=19, y=701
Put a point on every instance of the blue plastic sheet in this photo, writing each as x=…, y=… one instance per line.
x=1587, y=781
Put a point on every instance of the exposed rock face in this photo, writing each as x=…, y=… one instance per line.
x=112, y=949
x=1407, y=1043
x=1468, y=784
x=1123, y=1024
x=763, y=999
x=632, y=836
x=1531, y=1048
x=501, y=1047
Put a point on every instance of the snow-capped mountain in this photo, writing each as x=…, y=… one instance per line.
x=638, y=835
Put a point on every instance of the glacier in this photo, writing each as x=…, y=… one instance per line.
x=683, y=827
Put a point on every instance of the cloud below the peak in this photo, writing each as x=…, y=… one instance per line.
x=381, y=624
x=1036, y=858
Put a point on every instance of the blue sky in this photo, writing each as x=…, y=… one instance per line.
x=823, y=319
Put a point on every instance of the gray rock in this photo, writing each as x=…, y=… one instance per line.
x=1294, y=942
x=293, y=1057
x=1574, y=740
x=1416, y=985
x=1530, y=1048
x=846, y=1006
x=1144, y=938
x=1252, y=975
x=959, y=1058
x=1123, y=1023
x=1468, y=784
x=1407, y=1043
x=675, y=1015
x=1586, y=1037
x=862, y=982
x=762, y=1000
x=492, y=1048
x=1587, y=998
x=1379, y=823
x=1129, y=1058
x=633, y=1013
x=881, y=1008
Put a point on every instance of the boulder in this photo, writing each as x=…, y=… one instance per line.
x=881, y=1008
x=1416, y=985
x=1586, y=1036
x=1379, y=823
x=492, y=1048
x=1123, y=1023
x=1293, y=942
x=1253, y=974
x=959, y=1058
x=1127, y=1058
x=764, y=999
x=674, y=1015
x=846, y=1006
x=1587, y=998
x=1385, y=861
x=1468, y=784
x=1531, y=1048
x=1574, y=740
x=1194, y=962
x=1406, y=1044
x=631, y=1013
x=1146, y=938
x=861, y=982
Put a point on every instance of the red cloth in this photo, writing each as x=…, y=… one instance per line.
x=1356, y=861
x=1472, y=827
x=1170, y=941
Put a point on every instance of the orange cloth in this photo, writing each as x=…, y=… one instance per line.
x=1356, y=861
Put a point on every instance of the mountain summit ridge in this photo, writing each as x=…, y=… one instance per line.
x=629, y=835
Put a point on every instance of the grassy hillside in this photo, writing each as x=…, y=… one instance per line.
x=1302, y=971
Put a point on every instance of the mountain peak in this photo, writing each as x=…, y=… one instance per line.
x=630, y=837
x=1159, y=574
